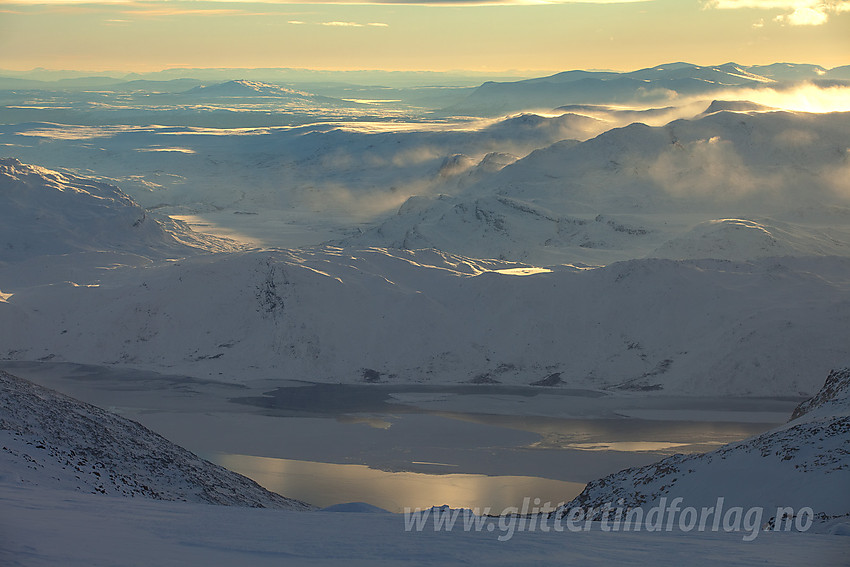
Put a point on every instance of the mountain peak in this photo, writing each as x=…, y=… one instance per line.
x=835, y=393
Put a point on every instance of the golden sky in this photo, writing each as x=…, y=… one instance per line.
x=480, y=35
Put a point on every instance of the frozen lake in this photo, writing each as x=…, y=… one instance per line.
x=413, y=445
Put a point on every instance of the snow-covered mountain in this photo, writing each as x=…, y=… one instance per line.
x=804, y=463
x=45, y=212
x=56, y=442
x=723, y=162
x=242, y=88
x=706, y=327
x=363, y=169
x=615, y=196
x=511, y=229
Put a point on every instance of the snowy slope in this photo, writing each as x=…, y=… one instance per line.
x=805, y=462
x=55, y=442
x=45, y=212
x=88, y=530
x=329, y=314
x=512, y=229
x=744, y=239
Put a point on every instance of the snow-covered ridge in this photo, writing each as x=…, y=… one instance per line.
x=745, y=239
x=701, y=327
x=45, y=212
x=804, y=463
x=54, y=441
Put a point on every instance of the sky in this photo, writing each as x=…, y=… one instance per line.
x=439, y=35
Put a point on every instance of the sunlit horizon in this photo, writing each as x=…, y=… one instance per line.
x=500, y=37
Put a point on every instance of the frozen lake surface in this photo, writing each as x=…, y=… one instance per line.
x=413, y=445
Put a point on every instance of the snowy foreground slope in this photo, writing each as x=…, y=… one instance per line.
x=49, y=528
x=48, y=518
x=51, y=441
x=804, y=463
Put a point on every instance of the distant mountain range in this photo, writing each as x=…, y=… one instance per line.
x=651, y=85
x=567, y=86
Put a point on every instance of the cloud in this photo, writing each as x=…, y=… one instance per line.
x=168, y=11
x=798, y=12
x=804, y=16
x=804, y=98
x=353, y=24
x=142, y=8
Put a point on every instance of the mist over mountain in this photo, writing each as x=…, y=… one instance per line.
x=604, y=197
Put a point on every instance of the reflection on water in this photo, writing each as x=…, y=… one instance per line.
x=426, y=430
x=628, y=446
x=621, y=434
x=375, y=422
x=325, y=484
x=515, y=434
